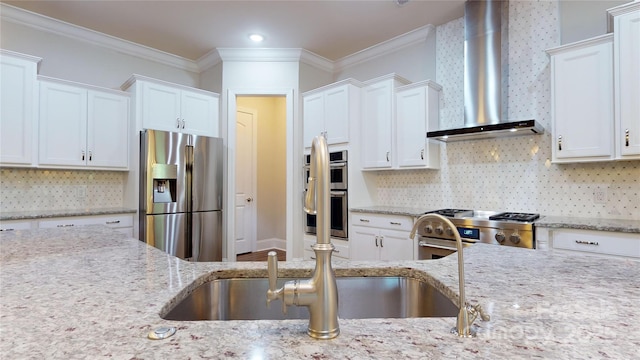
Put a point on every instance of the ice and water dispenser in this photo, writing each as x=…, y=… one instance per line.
x=164, y=182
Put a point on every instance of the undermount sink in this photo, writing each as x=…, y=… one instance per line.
x=358, y=298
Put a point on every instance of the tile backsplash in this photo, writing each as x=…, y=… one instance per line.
x=512, y=174
x=36, y=189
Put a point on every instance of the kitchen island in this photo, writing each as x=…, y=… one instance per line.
x=93, y=293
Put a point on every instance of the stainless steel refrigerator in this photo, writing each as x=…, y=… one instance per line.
x=181, y=194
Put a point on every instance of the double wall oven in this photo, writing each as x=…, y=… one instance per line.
x=338, y=187
x=436, y=239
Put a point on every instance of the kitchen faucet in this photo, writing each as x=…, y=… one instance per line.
x=318, y=293
x=467, y=313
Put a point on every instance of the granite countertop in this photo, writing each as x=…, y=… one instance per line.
x=91, y=292
x=564, y=222
x=42, y=214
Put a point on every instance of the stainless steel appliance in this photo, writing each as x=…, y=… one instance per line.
x=437, y=240
x=181, y=194
x=338, y=196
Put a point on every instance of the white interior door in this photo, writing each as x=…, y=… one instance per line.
x=245, y=214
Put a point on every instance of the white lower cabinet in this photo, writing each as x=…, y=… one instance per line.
x=604, y=243
x=381, y=237
x=120, y=222
x=341, y=248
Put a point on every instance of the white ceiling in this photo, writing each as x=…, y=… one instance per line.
x=191, y=29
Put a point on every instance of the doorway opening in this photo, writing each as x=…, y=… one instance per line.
x=261, y=175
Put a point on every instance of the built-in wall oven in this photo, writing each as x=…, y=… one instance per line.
x=339, y=206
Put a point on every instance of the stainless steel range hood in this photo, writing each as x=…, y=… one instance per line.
x=485, y=77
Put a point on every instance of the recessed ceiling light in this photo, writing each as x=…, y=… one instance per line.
x=256, y=37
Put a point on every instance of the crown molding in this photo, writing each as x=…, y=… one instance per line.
x=215, y=56
x=48, y=24
x=386, y=47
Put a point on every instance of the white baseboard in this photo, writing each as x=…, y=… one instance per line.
x=273, y=243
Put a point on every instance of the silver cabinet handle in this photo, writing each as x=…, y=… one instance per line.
x=64, y=225
x=587, y=242
x=183, y=123
x=177, y=123
x=82, y=154
x=364, y=220
x=422, y=154
x=394, y=223
x=90, y=155
x=387, y=156
x=381, y=238
x=560, y=143
x=626, y=137
x=376, y=241
x=113, y=222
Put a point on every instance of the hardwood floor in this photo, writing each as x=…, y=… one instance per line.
x=261, y=255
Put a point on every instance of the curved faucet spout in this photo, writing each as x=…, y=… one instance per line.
x=466, y=314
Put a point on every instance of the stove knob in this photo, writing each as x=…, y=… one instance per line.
x=515, y=238
x=500, y=237
x=449, y=231
x=439, y=230
x=428, y=229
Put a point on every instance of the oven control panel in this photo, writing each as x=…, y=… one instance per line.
x=507, y=234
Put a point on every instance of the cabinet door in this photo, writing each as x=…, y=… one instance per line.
x=583, y=103
x=63, y=125
x=336, y=114
x=627, y=75
x=199, y=113
x=376, y=125
x=17, y=111
x=107, y=130
x=363, y=243
x=411, y=127
x=161, y=107
x=395, y=245
x=313, y=117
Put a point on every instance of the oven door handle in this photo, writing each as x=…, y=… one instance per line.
x=427, y=245
x=337, y=164
x=338, y=193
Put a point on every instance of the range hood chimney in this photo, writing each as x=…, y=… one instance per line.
x=485, y=76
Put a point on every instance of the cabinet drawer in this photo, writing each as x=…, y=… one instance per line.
x=382, y=221
x=12, y=225
x=113, y=221
x=599, y=242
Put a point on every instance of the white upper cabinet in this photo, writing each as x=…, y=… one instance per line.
x=18, y=106
x=377, y=127
x=417, y=111
x=82, y=126
x=330, y=110
x=582, y=100
x=170, y=107
x=626, y=55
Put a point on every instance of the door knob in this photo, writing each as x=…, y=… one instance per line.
x=249, y=199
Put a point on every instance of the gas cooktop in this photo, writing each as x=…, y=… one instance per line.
x=486, y=215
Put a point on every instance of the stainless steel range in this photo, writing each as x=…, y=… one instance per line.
x=500, y=228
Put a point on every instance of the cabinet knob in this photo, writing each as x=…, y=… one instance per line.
x=626, y=137
x=560, y=143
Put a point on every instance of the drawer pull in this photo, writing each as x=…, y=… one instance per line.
x=376, y=241
x=394, y=223
x=364, y=220
x=64, y=225
x=7, y=229
x=587, y=242
x=113, y=222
